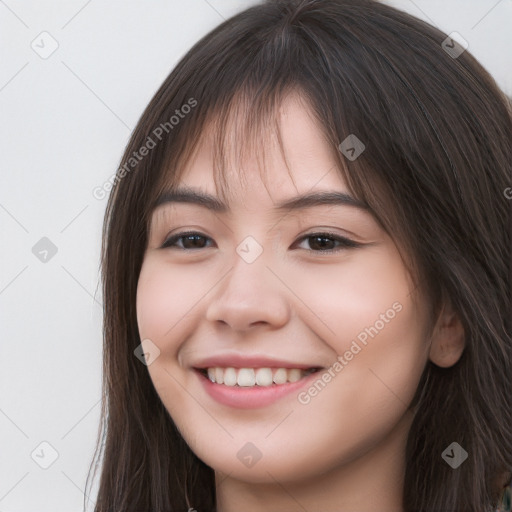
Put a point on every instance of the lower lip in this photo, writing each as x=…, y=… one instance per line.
x=252, y=397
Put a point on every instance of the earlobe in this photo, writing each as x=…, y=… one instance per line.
x=448, y=339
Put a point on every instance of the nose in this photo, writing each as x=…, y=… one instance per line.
x=249, y=295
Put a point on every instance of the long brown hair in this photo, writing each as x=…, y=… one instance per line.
x=434, y=173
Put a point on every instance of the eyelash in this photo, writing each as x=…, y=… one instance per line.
x=345, y=242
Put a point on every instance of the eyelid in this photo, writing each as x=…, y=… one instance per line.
x=346, y=243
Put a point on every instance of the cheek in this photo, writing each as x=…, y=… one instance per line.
x=167, y=304
x=376, y=331
x=166, y=295
x=365, y=313
x=364, y=292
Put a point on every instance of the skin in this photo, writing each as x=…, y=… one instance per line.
x=344, y=450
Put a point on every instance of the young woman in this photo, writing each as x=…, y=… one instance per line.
x=307, y=274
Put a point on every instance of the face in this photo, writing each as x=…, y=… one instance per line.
x=267, y=295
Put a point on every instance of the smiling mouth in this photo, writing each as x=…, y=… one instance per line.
x=255, y=377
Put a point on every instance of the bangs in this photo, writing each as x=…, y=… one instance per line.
x=244, y=127
x=240, y=88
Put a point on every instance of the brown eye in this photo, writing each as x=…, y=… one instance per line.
x=325, y=242
x=318, y=242
x=190, y=240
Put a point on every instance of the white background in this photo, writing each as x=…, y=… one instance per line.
x=64, y=122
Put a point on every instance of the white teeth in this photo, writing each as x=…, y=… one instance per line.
x=249, y=377
x=264, y=377
x=280, y=376
x=294, y=375
x=246, y=377
x=219, y=376
x=229, y=376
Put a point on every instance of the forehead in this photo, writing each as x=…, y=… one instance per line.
x=307, y=162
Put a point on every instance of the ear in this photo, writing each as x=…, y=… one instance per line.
x=448, y=340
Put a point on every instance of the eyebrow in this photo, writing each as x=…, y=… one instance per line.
x=192, y=196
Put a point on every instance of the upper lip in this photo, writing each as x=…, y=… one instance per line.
x=249, y=361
